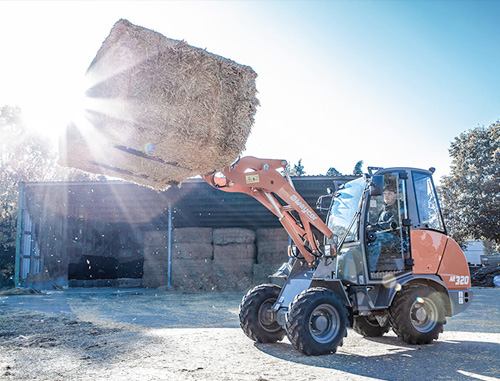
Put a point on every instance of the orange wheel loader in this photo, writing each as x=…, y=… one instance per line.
x=384, y=260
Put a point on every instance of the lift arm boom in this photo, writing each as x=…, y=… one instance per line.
x=260, y=179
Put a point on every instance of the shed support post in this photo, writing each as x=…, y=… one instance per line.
x=169, y=249
x=20, y=205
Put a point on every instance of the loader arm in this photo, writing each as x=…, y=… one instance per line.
x=260, y=179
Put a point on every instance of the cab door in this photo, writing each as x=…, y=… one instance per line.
x=428, y=235
x=387, y=227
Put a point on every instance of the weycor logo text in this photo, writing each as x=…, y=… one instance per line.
x=304, y=209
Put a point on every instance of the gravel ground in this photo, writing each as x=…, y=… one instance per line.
x=103, y=334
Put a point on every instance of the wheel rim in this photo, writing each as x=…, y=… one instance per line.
x=324, y=323
x=265, y=320
x=424, y=314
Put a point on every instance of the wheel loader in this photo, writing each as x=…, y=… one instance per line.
x=380, y=259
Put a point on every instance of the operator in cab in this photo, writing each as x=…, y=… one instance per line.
x=385, y=227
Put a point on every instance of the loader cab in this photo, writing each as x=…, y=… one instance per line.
x=371, y=223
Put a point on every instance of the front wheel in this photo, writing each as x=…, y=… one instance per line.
x=256, y=318
x=317, y=322
x=417, y=314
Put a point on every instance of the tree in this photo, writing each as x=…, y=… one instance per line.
x=298, y=169
x=470, y=195
x=332, y=172
x=358, y=171
x=490, y=247
x=24, y=156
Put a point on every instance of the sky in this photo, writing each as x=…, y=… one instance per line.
x=391, y=83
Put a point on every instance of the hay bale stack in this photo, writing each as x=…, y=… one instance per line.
x=192, y=254
x=234, y=257
x=162, y=110
x=155, y=268
x=234, y=244
x=272, y=246
x=192, y=274
x=232, y=275
x=192, y=243
x=272, y=252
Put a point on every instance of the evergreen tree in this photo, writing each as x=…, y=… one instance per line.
x=332, y=172
x=358, y=171
x=470, y=195
x=298, y=169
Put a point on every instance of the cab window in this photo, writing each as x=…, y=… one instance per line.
x=427, y=205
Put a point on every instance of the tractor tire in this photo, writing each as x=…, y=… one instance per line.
x=368, y=326
x=417, y=314
x=317, y=322
x=254, y=321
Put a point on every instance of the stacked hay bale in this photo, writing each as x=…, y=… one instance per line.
x=161, y=111
x=234, y=258
x=192, y=254
x=272, y=252
x=155, y=266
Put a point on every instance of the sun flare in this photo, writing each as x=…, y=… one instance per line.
x=49, y=112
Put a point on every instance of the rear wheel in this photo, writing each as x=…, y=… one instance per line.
x=256, y=320
x=317, y=322
x=368, y=326
x=417, y=314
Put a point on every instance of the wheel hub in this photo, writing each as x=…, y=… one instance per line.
x=324, y=323
x=421, y=314
x=424, y=315
x=266, y=317
x=320, y=323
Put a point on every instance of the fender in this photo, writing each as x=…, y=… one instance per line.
x=432, y=280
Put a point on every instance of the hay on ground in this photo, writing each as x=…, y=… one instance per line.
x=160, y=110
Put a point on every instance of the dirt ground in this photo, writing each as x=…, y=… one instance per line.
x=164, y=335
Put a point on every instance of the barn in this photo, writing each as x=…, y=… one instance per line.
x=119, y=234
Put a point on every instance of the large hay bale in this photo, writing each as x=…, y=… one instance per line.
x=192, y=235
x=236, y=274
x=234, y=251
x=272, y=252
x=156, y=238
x=192, y=251
x=227, y=236
x=191, y=274
x=161, y=111
x=271, y=235
x=155, y=254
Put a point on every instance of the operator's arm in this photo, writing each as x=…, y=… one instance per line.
x=386, y=221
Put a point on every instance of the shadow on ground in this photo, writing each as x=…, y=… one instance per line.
x=442, y=360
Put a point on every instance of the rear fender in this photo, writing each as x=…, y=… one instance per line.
x=454, y=270
x=429, y=280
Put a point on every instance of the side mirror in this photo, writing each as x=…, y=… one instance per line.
x=377, y=185
x=324, y=202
